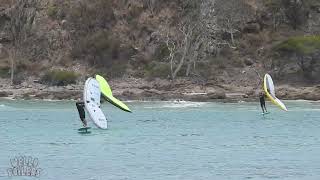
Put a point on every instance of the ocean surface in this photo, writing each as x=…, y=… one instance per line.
x=164, y=141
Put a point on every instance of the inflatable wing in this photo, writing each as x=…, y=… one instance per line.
x=107, y=93
x=268, y=87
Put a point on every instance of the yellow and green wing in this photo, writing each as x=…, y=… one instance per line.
x=104, y=86
x=107, y=93
x=268, y=88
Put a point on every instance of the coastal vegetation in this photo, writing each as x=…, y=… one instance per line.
x=59, y=77
x=305, y=50
x=203, y=40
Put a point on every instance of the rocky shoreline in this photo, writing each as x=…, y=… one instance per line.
x=159, y=89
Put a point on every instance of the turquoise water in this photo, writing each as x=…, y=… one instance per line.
x=165, y=141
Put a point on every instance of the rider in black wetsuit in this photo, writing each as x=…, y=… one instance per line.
x=82, y=114
x=263, y=103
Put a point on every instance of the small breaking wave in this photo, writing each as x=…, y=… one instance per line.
x=182, y=104
x=176, y=104
x=3, y=106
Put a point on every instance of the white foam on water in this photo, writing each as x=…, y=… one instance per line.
x=175, y=104
x=183, y=104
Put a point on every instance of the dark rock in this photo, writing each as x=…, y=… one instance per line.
x=127, y=93
x=251, y=28
x=60, y=95
x=41, y=95
x=17, y=87
x=163, y=85
x=36, y=81
x=196, y=97
x=282, y=93
x=145, y=87
x=26, y=96
x=4, y=38
x=217, y=95
x=315, y=7
x=250, y=93
x=248, y=62
x=147, y=93
x=154, y=91
x=4, y=94
x=69, y=87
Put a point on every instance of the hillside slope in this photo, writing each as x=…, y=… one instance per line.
x=209, y=42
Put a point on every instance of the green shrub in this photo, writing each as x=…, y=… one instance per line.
x=219, y=62
x=238, y=63
x=59, y=77
x=204, y=69
x=303, y=45
x=134, y=12
x=161, y=52
x=101, y=45
x=157, y=70
x=303, y=50
x=86, y=16
x=52, y=11
x=115, y=70
x=4, y=72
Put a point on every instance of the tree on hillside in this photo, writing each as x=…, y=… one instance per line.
x=294, y=12
x=191, y=39
x=151, y=5
x=19, y=27
x=178, y=39
x=232, y=15
x=190, y=28
x=171, y=46
x=90, y=24
x=90, y=16
x=278, y=14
